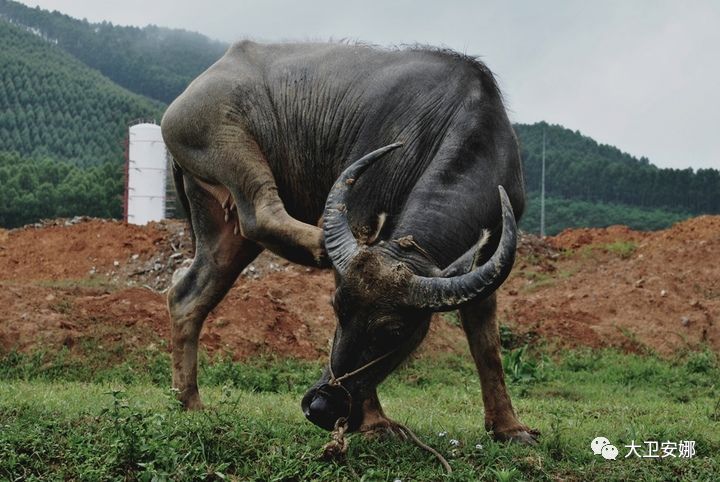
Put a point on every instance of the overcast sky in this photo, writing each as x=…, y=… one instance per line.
x=641, y=75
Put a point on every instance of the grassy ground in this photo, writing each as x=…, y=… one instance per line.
x=61, y=418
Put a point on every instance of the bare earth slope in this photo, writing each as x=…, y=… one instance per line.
x=87, y=283
x=617, y=287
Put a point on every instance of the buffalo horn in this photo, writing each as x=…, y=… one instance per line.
x=340, y=243
x=444, y=294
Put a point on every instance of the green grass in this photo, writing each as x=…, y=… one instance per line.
x=624, y=249
x=61, y=419
x=621, y=249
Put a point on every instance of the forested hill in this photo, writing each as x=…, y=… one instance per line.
x=577, y=167
x=152, y=61
x=52, y=105
x=64, y=117
x=592, y=184
x=62, y=127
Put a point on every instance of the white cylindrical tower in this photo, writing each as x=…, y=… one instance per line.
x=146, y=174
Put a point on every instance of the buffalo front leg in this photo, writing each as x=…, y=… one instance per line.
x=481, y=329
x=374, y=420
x=220, y=256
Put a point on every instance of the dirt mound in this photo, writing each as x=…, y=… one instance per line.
x=82, y=248
x=577, y=238
x=656, y=291
x=96, y=283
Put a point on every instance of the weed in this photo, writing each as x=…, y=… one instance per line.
x=507, y=337
x=536, y=280
x=624, y=249
x=452, y=318
x=63, y=306
x=505, y=475
x=519, y=368
x=715, y=414
x=702, y=362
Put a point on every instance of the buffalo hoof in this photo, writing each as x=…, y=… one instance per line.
x=521, y=435
x=383, y=429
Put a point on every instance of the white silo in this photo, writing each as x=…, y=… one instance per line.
x=146, y=174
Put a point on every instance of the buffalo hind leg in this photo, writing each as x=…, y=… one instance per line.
x=241, y=167
x=220, y=256
x=481, y=329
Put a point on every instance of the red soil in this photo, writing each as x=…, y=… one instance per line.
x=99, y=283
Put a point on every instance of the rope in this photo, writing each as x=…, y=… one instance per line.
x=424, y=446
x=336, y=381
x=337, y=448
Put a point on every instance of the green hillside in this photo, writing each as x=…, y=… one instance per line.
x=57, y=115
x=53, y=105
x=563, y=213
x=152, y=61
x=58, y=112
x=591, y=184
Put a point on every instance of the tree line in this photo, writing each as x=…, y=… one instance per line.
x=578, y=168
x=562, y=213
x=47, y=188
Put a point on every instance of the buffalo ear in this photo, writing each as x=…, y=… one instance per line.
x=468, y=261
x=381, y=218
x=465, y=281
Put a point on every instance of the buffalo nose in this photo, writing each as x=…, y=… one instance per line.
x=321, y=413
x=324, y=412
x=319, y=405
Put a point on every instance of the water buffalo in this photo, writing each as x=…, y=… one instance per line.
x=264, y=143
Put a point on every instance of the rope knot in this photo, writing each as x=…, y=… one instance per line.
x=337, y=447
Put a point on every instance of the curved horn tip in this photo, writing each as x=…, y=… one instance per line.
x=503, y=192
x=505, y=203
x=385, y=149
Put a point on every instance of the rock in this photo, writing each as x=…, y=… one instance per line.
x=685, y=321
x=663, y=293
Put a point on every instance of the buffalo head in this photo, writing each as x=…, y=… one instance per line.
x=383, y=308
